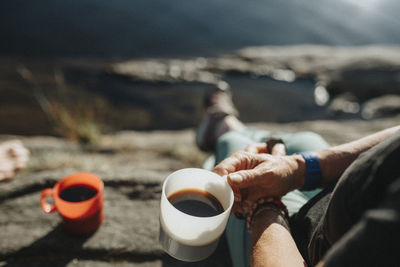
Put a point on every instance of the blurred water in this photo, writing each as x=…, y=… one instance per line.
x=179, y=28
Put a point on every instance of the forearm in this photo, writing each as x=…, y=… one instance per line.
x=272, y=243
x=334, y=161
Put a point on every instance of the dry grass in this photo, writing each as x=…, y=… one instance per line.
x=69, y=114
x=75, y=121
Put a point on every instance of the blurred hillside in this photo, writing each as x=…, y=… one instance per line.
x=207, y=28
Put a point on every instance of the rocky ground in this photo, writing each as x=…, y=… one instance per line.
x=133, y=165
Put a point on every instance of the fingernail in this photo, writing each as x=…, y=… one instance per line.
x=235, y=178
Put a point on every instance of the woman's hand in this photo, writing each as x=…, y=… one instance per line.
x=255, y=175
x=272, y=175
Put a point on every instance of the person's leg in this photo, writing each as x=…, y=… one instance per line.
x=236, y=232
x=223, y=131
x=363, y=186
x=233, y=141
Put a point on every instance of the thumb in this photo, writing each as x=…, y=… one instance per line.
x=244, y=178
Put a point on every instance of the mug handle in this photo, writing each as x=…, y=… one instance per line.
x=47, y=207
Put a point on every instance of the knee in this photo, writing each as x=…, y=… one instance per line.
x=305, y=141
x=228, y=139
x=318, y=139
x=229, y=143
x=309, y=136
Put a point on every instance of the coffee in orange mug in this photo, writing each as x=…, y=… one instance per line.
x=78, y=198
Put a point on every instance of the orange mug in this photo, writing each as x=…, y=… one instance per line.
x=78, y=198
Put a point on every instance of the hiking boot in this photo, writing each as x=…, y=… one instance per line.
x=217, y=105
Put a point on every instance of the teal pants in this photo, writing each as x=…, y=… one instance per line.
x=236, y=232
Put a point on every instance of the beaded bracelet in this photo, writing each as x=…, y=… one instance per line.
x=257, y=206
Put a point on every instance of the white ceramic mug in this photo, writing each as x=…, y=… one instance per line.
x=187, y=237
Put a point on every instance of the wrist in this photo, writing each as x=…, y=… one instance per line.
x=266, y=217
x=299, y=175
x=313, y=173
x=267, y=205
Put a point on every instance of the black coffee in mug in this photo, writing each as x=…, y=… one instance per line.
x=196, y=202
x=77, y=193
x=194, y=210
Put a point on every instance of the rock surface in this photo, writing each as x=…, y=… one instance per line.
x=275, y=84
x=365, y=71
x=133, y=166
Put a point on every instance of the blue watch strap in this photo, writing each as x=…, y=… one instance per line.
x=313, y=171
